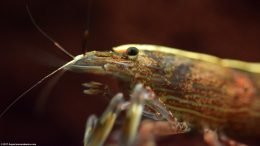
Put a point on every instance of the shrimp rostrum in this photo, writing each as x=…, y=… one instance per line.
x=178, y=91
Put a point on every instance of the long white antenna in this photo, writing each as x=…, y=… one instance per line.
x=75, y=58
x=46, y=35
x=37, y=83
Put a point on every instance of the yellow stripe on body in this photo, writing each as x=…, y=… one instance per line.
x=236, y=64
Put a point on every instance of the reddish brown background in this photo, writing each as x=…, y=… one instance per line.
x=224, y=28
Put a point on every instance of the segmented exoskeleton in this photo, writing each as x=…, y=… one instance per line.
x=171, y=85
x=178, y=90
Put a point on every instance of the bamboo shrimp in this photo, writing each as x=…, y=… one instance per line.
x=169, y=84
x=179, y=90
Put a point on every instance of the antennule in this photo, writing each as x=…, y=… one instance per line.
x=46, y=35
x=86, y=32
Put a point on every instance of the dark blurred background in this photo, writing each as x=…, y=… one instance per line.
x=228, y=29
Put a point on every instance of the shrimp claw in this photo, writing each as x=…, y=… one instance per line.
x=98, y=130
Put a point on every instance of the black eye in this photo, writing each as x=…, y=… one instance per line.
x=132, y=51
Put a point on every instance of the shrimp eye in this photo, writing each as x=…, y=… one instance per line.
x=132, y=51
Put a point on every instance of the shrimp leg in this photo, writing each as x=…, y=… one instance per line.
x=150, y=129
x=97, y=130
x=95, y=88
